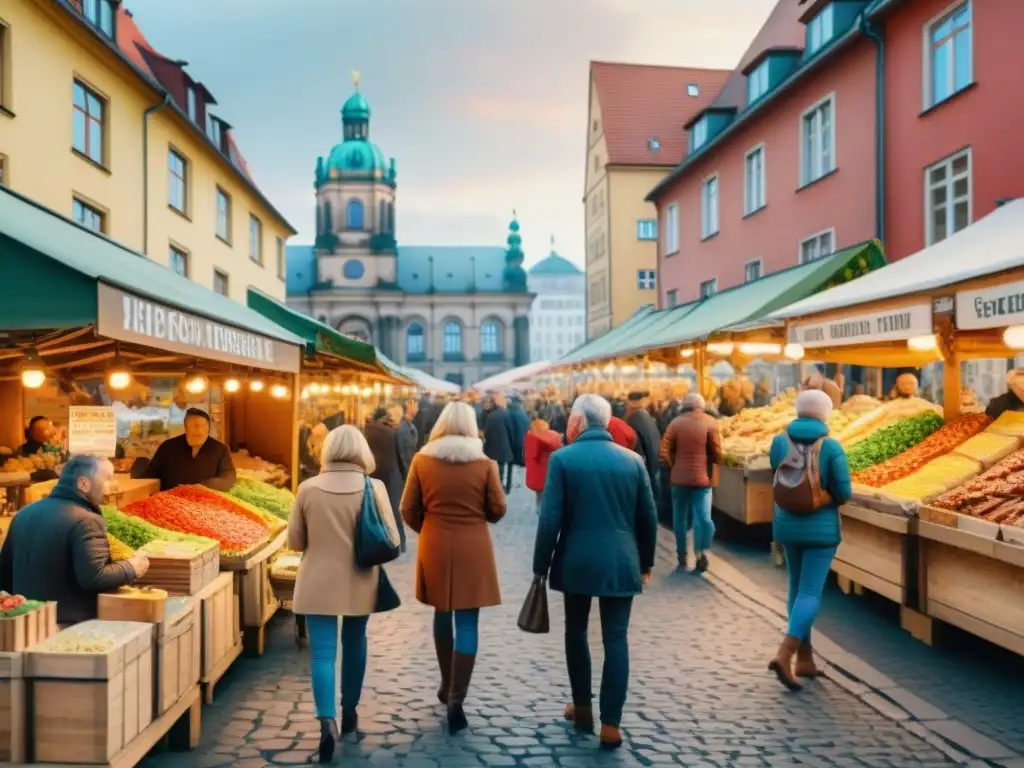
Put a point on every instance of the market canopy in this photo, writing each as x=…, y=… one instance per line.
x=512, y=376
x=992, y=244
x=430, y=383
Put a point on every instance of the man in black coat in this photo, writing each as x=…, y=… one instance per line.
x=498, y=440
x=518, y=426
x=648, y=438
x=406, y=437
x=57, y=548
x=381, y=436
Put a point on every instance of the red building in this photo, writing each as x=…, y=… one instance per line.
x=954, y=108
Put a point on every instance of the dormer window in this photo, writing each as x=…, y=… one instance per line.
x=190, y=99
x=101, y=14
x=693, y=90
x=215, y=131
x=757, y=83
x=699, y=134
x=820, y=30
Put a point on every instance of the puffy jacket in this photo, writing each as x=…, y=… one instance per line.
x=621, y=432
x=538, y=448
x=822, y=527
x=691, y=447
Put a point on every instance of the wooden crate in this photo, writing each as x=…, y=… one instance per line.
x=182, y=572
x=21, y=632
x=873, y=552
x=178, y=652
x=13, y=731
x=729, y=496
x=87, y=707
x=760, y=497
x=220, y=632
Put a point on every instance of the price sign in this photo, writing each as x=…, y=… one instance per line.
x=92, y=430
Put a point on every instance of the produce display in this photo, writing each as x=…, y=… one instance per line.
x=33, y=463
x=16, y=605
x=137, y=533
x=996, y=495
x=989, y=448
x=274, y=523
x=934, y=478
x=884, y=416
x=750, y=432
x=858, y=405
x=255, y=468
x=1009, y=423
x=118, y=549
x=891, y=441
x=286, y=566
x=277, y=501
x=938, y=444
x=93, y=636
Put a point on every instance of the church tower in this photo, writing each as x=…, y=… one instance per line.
x=355, y=206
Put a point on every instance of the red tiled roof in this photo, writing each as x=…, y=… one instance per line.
x=639, y=102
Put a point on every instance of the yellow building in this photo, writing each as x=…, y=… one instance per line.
x=101, y=128
x=634, y=137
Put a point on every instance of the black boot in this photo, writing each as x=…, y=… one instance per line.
x=462, y=673
x=444, y=650
x=702, y=564
x=328, y=740
x=349, y=721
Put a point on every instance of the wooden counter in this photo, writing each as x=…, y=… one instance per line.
x=874, y=552
x=125, y=490
x=744, y=495
x=256, y=599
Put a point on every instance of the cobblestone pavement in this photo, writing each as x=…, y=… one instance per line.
x=700, y=694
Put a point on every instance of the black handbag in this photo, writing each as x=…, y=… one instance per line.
x=373, y=540
x=387, y=597
x=533, y=617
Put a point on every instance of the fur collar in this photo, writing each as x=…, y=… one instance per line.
x=455, y=449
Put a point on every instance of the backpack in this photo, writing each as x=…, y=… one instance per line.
x=797, y=485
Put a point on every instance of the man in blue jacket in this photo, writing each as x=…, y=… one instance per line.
x=596, y=535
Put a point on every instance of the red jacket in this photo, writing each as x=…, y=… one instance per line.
x=621, y=432
x=538, y=448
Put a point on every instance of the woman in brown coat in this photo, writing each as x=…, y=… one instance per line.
x=453, y=491
x=329, y=584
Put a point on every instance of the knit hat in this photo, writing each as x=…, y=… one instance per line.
x=813, y=404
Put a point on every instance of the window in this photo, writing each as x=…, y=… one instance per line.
x=646, y=280
x=647, y=229
x=949, y=62
x=279, y=253
x=415, y=346
x=220, y=282
x=819, y=30
x=817, y=246
x=709, y=208
x=223, y=215
x=693, y=90
x=100, y=13
x=948, y=197
x=709, y=288
x=671, y=233
x=354, y=214
x=177, y=182
x=89, y=116
x=752, y=271
x=5, y=64
x=191, y=101
x=88, y=216
x=672, y=297
x=818, y=146
x=654, y=144
x=490, y=338
x=214, y=130
x=178, y=261
x=699, y=134
x=452, y=339
x=757, y=83
x=754, y=184
x=255, y=240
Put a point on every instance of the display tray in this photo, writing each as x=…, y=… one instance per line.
x=20, y=632
x=261, y=552
x=182, y=572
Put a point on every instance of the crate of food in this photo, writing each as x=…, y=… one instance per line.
x=91, y=691
x=23, y=623
x=13, y=719
x=181, y=567
x=178, y=652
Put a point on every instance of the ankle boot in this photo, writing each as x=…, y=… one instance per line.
x=611, y=737
x=328, y=739
x=444, y=650
x=462, y=673
x=805, y=666
x=581, y=717
x=349, y=721
x=782, y=664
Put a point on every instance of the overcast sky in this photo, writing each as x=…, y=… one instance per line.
x=482, y=102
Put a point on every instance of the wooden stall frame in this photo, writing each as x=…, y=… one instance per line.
x=257, y=604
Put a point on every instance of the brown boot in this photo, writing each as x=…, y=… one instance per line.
x=581, y=717
x=782, y=664
x=444, y=649
x=462, y=673
x=805, y=666
x=611, y=737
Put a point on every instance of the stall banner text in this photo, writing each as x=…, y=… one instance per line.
x=993, y=307
x=92, y=430
x=895, y=324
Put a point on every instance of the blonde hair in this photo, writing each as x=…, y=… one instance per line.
x=347, y=444
x=315, y=443
x=456, y=419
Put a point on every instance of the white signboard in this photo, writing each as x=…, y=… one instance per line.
x=992, y=307
x=895, y=324
x=92, y=430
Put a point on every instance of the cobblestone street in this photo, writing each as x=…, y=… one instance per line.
x=700, y=694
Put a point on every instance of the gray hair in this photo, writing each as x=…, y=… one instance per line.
x=347, y=444
x=79, y=466
x=693, y=402
x=595, y=410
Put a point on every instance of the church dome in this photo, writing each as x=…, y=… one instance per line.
x=356, y=108
x=356, y=158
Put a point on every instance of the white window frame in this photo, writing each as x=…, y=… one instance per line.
x=227, y=281
x=749, y=199
x=757, y=83
x=710, y=206
x=671, y=229
x=713, y=282
x=699, y=134
x=810, y=173
x=175, y=250
x=646, y=280
x=821, y=29
x=760, y=270
x=928, y=99
x=646, y=229
x=672, y=298
x=831, y=232
x=929, y=229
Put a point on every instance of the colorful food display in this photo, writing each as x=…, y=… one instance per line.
x=884, y=416
x=1009, y=423
x=277, y=501
x=858, y=405
x=16, y=605
x=118, y=549
x=255, y=468
x=891, y=441
x=936, y=477
x=274, y=523
x=33, y=463
x=996, y=495
x=988, y=448
x=137, y=533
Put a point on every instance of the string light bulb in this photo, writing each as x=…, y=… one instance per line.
x=119, y=374
x=279, y=391
x=925, y=343
x=793, y=351
x=33, y=374
x=257, y=385
x=196, y=382
x=232, y=385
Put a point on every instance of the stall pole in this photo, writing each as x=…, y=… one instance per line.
x=945, y=335
x=296, y=382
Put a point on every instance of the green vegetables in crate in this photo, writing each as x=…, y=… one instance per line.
x=892, y=441
x=277, y=501
x=136, y=532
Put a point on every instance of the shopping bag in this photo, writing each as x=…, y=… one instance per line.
x=387, y=597
x=374, y=545
x=533, y=618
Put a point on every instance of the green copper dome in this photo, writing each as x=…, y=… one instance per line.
x=356, y=158
x=356, y=108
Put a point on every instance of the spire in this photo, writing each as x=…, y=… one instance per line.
x=514, y=241
x=355, y=79
x=355, y=113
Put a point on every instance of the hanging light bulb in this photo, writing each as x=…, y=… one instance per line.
x=722, y=348
x=33, y=374
x=755, y=348
x=232, y=385
x=337, y=388
x=279, y=391
x=367, y=392
x=793, y=351
x=376, y=387
x=1013, y=337
x=925, y=343
x=119, y=374
x=387, y=389
x=305, y=393
x=257, y=384
x=196, y=381
x=686, y=353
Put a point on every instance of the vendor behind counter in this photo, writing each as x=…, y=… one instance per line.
x=193, y=458
x=1012, y=400
x=38, y=434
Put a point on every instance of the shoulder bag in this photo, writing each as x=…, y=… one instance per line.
x=374, y=545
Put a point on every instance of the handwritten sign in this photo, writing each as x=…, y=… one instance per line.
x=92, y=430
x=993, y=307
x=895, y=324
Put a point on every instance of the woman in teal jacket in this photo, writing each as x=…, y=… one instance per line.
x=809, y=540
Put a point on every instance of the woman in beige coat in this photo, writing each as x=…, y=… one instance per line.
x=452, y=492
x=329, y=583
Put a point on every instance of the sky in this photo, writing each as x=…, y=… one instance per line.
x=483, y=103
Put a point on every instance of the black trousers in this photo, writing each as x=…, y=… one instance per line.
x=505, y=472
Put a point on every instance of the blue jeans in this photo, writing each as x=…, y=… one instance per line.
x=807, y=568
x=691, y=508
x=464, y=632
x=614, y=635
x=323, y=651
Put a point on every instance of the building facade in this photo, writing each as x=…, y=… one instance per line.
x=633, y=140
x=460, y=313
x=558, y=316
x=101, y=128
x=780, y=168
